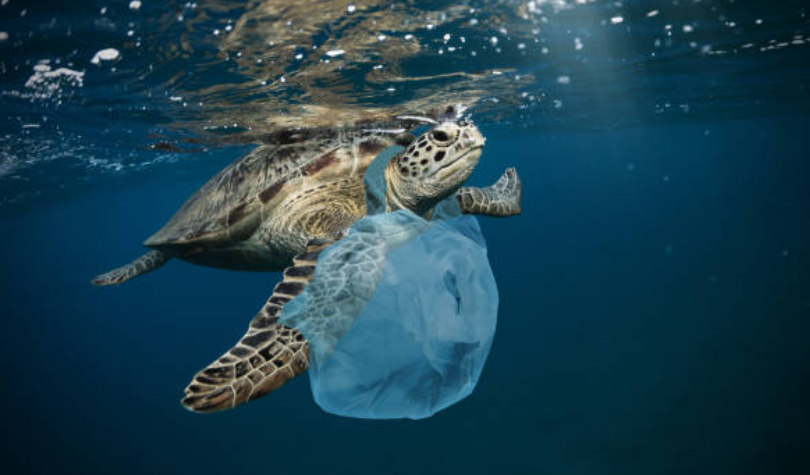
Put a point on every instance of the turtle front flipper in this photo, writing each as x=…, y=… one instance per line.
x=146, y=263
x=270, y=353
x=502, y=199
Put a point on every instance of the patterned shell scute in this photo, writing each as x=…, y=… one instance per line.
x=229, y=204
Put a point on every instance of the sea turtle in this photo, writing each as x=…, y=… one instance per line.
x=280, y=205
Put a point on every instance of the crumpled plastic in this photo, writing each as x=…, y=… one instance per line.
x=400, y=314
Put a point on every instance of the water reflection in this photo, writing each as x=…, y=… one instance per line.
x=110, y=77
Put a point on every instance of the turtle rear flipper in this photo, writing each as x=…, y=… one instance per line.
x=146, y=263
x=500, y=200
x=270, y=353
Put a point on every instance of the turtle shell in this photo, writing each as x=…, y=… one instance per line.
x=231, y=205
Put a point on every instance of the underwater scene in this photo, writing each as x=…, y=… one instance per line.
x=405, y=237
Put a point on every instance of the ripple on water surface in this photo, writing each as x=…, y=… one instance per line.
x=134, y=80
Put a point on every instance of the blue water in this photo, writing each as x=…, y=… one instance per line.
x=654, y=295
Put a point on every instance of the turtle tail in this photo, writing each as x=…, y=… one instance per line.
x=146, y=263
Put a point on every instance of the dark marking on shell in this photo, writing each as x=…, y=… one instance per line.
x=286, y=137
x=371, y=146
x=283, y=153
x=194, y=234
x=237, y=213
x=324, y=161
x=269, y=193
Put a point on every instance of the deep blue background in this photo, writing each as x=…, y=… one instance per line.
x=654, y=318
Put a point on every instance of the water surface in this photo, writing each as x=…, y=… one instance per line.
x=655, y=294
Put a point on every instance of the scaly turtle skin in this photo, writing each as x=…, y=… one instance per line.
x=281, y=205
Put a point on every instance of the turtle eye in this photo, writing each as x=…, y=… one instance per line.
x=440, y=135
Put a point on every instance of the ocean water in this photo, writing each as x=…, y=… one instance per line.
x=654, y=294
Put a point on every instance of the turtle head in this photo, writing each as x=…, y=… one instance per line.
x=433, y=167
